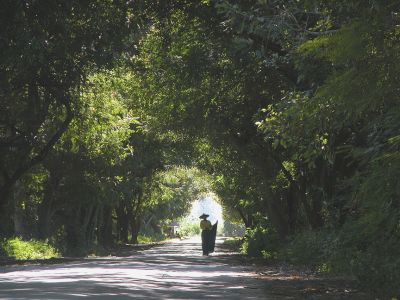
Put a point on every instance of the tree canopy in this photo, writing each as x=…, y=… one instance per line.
x=115, y=116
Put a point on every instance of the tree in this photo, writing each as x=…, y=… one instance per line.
x=86, y=167
x=47, y=50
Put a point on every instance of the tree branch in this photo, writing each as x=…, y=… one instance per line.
x=46, y=149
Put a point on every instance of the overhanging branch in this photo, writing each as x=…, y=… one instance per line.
x=46, y=149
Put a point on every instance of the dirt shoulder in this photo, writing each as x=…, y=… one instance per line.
x=120, y=251
x=284, y=281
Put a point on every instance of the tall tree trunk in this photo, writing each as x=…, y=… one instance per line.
x=46, y=209
x=87, y=224
x=320, y=177
x=302, y=192
x=277, y=217
x=292, y=209
x=91, y=233
x=105, y=233
x=135, y=229
x=246, y=218
x=72, y=231
x=122, y=222
x=6, y=222
x=19, y=227
x=134, y=215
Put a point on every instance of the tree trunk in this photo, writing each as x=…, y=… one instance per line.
x=134, y=211
x=122, y=222
x=292, y=209
x=246, y=218
x=87, y=224
x=135, y=228
x=19, y=227
x=105, y=233
x=91, y=233
x=6, y=223
x=46, y=209
x=278, y=218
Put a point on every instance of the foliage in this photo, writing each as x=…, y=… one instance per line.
x=287, y=110
x=146, y=239
x=32, y=249
x=313, y=249
x=85, y=168
x=150, y=235
x=48, y=50
x=261, y=241
x=172, y=192
x=188, y=229
x=232, y=229
x=234, y=243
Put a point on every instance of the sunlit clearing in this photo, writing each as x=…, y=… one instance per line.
x=209, y=206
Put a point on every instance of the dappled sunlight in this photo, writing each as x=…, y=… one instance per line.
x=173, y=271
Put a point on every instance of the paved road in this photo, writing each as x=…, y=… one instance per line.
x=176, y=270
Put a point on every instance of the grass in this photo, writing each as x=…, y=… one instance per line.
x=144, y=239
x=32, y=249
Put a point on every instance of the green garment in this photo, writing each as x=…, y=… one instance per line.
x=205, y=225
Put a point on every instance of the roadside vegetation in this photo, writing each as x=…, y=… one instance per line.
x=21, y=250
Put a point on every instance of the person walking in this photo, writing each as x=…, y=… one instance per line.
x=206, y=236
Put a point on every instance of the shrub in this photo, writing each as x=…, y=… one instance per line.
x=355, y=250
x=311, y=248
x=372, y=255
x=234, y=243
x=149, y=235
x=233, y=229
x=32, y=249
x=189, y=229
x=261, y=242
x=377, y=269
x=145, y=239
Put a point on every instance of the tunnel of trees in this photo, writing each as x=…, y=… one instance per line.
x=113, y=114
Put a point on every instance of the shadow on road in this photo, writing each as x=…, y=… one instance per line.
x=171, y=271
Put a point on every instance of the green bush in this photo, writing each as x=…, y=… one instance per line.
x=189, y=229
x=149, y=235
x=355, y=250
x=146, y=239
x=371, y=253
x=32, y=249
x=261, y=242
x=378, y=269
x=311, y=248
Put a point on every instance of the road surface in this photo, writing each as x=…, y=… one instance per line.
x=175, y=270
